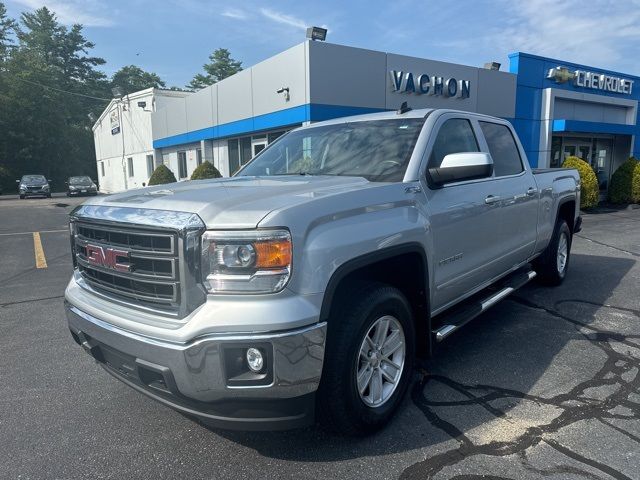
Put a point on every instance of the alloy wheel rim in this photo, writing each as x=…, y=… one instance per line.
x=563, y=252
x=380, y=361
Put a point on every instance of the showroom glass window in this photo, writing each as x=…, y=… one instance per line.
x=455, y=136
x=149, y=165
x=234, y=155
x=503, y=149
x=182, y=164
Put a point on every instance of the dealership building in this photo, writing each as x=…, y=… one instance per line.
x=558, y=109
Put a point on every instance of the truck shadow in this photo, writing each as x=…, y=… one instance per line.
x=532, y=365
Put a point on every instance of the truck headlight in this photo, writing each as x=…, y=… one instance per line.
x=256, y=261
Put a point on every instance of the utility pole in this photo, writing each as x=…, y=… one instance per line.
x=124, y=163
x=118, y=95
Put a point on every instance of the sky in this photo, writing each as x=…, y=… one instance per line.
x=174, y=37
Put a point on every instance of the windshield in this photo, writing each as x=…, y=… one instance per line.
x=34, y=179
x=80, y=181
x=377, y=150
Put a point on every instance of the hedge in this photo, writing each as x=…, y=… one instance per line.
x=590, y=192
x=625, y=183
x=162, y=175
x=205, y=170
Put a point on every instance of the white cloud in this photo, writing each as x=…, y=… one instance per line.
x=87, y=12
x=285, y=19
x=234, y=13
x=597, y=32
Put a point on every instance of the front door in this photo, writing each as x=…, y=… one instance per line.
x=465, y=223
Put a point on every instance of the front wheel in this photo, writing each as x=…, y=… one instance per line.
x=553, y=264
x=368, y=360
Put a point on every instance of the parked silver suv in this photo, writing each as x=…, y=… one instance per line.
x=309, y=281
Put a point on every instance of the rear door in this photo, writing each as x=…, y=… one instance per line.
x=465, y=221
x=518, y=193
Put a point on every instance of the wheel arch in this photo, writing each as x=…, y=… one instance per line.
x=402, y=266
x=566, y=211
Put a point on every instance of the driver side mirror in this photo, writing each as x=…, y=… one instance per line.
x=457, y=167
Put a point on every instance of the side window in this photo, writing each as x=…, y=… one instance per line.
x=455, y=136
x=503, y=149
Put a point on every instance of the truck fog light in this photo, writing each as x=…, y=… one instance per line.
x=255, y=360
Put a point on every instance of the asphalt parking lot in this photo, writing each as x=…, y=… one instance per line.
x=545, y=384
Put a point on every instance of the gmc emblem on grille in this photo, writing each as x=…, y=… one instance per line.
x=108, y=257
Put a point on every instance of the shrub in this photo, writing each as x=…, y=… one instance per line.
x=161, y=175
x=590, y=192
x=625, y=183
x=205, y=170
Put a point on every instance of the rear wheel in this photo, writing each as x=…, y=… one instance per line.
x=21, y=197
x=368, y=360
x=553, y=264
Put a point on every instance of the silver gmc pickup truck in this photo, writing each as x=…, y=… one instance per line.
x=306, y=285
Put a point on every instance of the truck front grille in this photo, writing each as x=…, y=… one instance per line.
x=135, y=265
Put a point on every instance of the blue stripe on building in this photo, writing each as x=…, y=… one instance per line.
x=309, y=112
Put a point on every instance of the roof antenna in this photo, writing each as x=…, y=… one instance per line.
x=404, y=108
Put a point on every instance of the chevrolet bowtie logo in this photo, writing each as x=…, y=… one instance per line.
x=561, y=74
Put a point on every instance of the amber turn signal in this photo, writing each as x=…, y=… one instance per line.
x=273, y=253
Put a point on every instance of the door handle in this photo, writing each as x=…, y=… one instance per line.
x=532, y=191
x=491, y=199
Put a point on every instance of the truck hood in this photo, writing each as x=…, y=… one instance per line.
x=239, y=202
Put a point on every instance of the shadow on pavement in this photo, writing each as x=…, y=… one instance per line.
x=521, y=360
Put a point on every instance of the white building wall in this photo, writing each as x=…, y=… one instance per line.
x=135, y=139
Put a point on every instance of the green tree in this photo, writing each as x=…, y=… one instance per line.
x=132, y=78
x=51, y=84
x=7, y=29
x=221, y=66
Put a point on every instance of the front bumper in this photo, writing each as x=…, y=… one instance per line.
x=192, y=377
x=35, y=193
x=87, y=191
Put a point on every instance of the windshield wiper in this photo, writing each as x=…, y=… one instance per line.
x=304, y=174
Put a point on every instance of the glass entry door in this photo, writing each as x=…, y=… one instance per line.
x=577, y=148
x=601, y=161
x=597, y=152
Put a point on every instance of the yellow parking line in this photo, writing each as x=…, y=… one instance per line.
x=41, y=261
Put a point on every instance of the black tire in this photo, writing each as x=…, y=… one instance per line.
x=547, y=265
x=21, y=197
x=340, y=406
x=48, y=195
